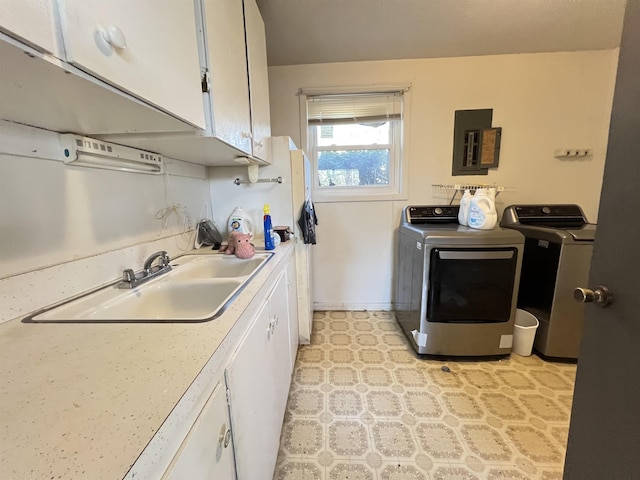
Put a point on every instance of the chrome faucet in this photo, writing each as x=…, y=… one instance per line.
x=163, y=262
x=131, y=279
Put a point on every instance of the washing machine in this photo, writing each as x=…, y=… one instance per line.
x=557, y=258
x=456, y=287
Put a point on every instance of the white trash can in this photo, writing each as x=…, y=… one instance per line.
x=524, y=332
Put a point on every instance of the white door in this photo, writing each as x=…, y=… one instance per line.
x=280, y=345
x=33, y=22
x=258, y=80
x=604, y=435
x=147, y=49
x=207, y=453
x=227, y=63
x=252, y=394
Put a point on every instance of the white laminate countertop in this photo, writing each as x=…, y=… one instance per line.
x=84, y=400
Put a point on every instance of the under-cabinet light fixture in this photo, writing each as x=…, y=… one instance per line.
x=89, y=152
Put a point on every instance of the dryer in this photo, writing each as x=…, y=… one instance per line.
x=557, y=258
x=456, y=287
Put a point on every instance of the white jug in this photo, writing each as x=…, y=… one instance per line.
x=240, y=221
x=482, y=210
x=463, y=213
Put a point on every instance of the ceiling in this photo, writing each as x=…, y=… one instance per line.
x=321, y=31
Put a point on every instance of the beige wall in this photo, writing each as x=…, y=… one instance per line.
x=64, y=230
x=543, y=102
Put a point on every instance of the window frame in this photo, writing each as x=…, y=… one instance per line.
x=398, y=158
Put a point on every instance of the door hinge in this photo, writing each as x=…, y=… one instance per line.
x=206, y=81
x=228, y=395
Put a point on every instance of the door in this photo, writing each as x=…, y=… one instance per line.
x=207, y=452
x=227, y=62
x=258, y=80
x=34, y=22
x=148, y=49
x=258, y=378
x=604, y=435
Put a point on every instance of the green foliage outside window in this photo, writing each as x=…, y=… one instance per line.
x=353, y=167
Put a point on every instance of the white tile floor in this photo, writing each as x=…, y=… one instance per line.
x=363, y=406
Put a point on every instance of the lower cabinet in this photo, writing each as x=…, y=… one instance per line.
x=207, y=452
x=258, y=378
x=237, y=434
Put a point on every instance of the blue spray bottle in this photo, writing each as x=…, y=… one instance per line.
x=268, y=229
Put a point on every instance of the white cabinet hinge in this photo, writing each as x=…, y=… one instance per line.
x=228, y=395
x=206, y=81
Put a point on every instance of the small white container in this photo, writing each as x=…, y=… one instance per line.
x=524, y=332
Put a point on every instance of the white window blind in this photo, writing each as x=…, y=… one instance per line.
x=361, y=108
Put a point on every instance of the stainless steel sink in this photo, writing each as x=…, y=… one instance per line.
x=198, y=288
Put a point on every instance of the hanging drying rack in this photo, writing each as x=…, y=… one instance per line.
x=449, y=191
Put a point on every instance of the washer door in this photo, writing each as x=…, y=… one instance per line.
x=471, y=285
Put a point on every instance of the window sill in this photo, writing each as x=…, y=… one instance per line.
x=335, y=197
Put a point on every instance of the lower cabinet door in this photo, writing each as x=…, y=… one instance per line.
x=207, y=452
x=258, y=378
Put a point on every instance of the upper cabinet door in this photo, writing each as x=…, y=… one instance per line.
x=147, y=49
x=258, y=80
x=227, y=59
x=33, y=22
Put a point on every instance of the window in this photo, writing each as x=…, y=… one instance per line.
x=355, y=144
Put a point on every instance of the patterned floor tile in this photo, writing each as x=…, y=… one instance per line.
x=364, y=406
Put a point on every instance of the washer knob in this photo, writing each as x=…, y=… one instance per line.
x=437, y=211
x=546, y=210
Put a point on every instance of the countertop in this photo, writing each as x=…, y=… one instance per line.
x=84, y=400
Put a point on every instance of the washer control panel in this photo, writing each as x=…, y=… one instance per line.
x=555, y=216
x=420, y=214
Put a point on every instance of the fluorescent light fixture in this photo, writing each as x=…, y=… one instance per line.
x=89, y=152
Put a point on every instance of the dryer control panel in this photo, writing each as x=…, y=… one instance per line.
x=421, y=214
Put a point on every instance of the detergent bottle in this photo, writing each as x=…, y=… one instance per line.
x=268, y=229
x=463, y=213
x=482, y=210
x=240, y=221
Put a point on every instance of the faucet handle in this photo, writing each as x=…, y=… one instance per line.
x=164, y=258
x=128, y=275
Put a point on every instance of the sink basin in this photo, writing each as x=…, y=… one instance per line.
x=216, y=266
x=198, y=288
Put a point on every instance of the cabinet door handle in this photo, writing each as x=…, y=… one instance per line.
x=114, y=37
x=224, y=436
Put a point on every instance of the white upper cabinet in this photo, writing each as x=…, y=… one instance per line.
x=237, y=115
x=226, y=62
x=235, y=56
x=258, y=80
x=32, y=22
x=148, y=49
x=100, y=67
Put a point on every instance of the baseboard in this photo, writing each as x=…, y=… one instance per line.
x=326, y=306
